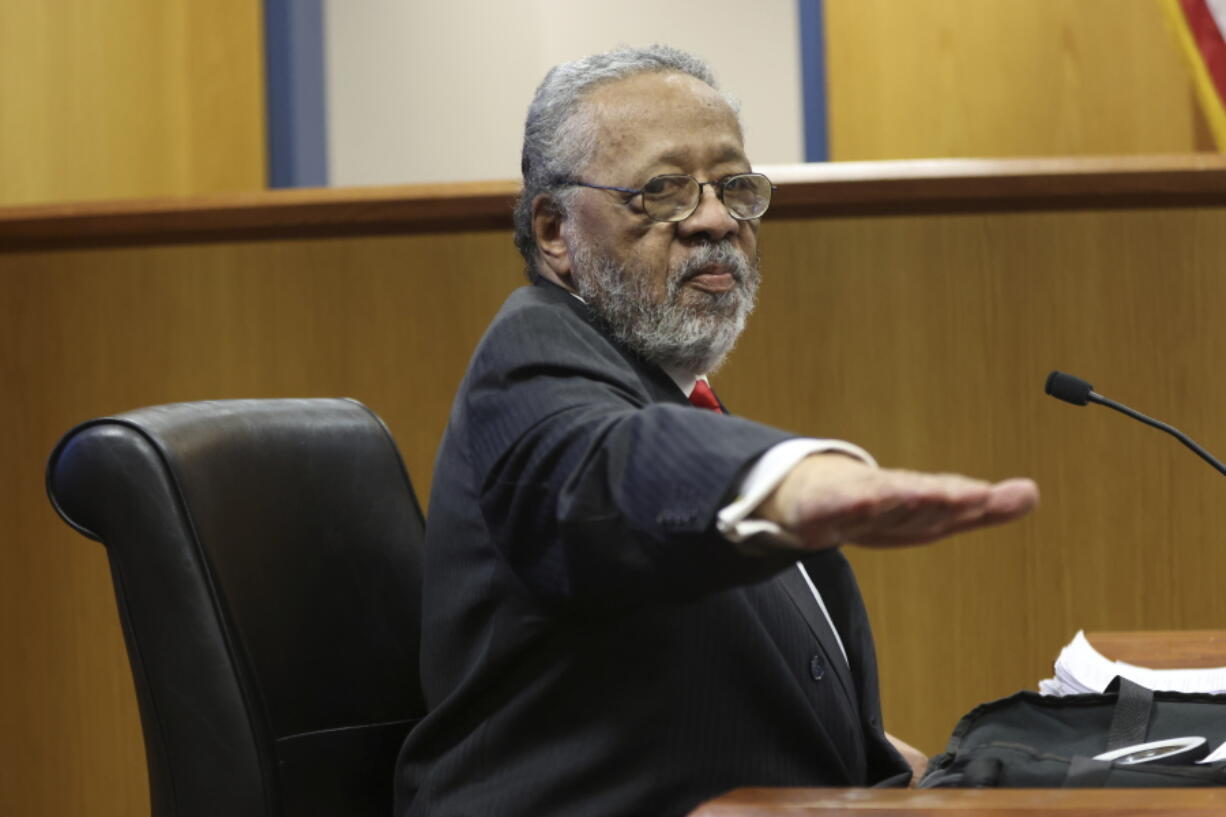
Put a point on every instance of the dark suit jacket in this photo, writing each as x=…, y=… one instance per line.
x=591, y=644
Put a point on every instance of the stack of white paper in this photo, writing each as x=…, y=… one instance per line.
x=1081, y=668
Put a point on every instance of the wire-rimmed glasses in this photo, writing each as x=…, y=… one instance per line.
x=675, y=196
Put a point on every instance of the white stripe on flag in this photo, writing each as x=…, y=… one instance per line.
x=1217, y=8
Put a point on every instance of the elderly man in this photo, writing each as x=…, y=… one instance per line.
x=633, y=600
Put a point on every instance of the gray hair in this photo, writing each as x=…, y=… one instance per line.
x=559, y=139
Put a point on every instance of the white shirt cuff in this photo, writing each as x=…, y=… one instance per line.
x=765, y=475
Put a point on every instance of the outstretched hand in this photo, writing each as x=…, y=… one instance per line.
x=831, y=499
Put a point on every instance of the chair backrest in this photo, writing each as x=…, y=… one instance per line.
x=266, y=556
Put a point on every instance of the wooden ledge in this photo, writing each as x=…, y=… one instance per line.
x=1204, y=802
x=1163, y=649
x=999, y=185
x=271, y=214
x=806, y=191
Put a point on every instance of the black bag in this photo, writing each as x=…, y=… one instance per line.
x=1030, y=740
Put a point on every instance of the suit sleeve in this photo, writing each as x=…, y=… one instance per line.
x=592, y=491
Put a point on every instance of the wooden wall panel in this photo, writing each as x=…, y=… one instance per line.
x=128, y=98
x=388, y=321
x=925, y=338
x=972, y=78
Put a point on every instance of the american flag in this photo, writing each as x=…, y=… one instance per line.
x=1201, y=28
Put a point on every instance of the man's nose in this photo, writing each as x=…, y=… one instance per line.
x=711, y=218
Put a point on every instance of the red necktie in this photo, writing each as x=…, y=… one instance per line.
x=703, y=397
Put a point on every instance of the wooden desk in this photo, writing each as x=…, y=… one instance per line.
x=1157, y=648
x=1163, y=649
x=979, y=802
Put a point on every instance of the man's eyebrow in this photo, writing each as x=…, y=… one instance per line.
x=677, y=158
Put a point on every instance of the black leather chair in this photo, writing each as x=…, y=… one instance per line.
x=266, y=561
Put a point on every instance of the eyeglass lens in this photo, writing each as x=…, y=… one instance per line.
x=675, y=197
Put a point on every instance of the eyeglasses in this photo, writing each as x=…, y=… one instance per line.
x=675, y=197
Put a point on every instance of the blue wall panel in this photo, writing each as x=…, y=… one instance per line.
x=296, y=104
x=813, y=79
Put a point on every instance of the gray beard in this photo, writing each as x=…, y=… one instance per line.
x=689, y=330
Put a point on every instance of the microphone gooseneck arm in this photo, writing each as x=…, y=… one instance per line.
x=1095, y=397
x=1074, y=390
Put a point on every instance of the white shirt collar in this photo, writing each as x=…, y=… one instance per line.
x=684, y=380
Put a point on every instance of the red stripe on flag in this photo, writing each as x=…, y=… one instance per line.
x=1210, y=41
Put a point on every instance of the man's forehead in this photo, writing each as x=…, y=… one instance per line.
x=656, y=93
x=663, y=117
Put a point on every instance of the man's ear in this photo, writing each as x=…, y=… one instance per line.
x=547, y=222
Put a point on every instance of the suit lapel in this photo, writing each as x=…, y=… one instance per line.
x=798, y=591
x=833, y=576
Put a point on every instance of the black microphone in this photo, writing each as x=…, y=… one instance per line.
x=1074, y=390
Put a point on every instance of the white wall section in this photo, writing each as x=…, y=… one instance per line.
x=427, y=91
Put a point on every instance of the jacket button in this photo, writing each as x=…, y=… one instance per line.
x=817, y=667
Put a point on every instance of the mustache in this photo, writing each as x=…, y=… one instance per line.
x=725, y=254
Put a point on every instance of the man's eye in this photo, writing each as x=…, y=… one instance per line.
x=663, y=185
x=655, y=187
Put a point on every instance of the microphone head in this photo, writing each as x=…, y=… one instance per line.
x=1068, y=388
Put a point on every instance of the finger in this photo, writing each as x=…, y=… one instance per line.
x=882, y=516
x=1009, y=500
x=940, y=500
x=1013, y=498
x=894, y=508
x=895, y=503
x=890, y=503
x=839, y=521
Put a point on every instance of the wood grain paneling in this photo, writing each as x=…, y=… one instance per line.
x=1004, y=78
x=304, y=213
x=125, y=98
x=925, y=337
x=806, y=190
x=388, y=321
x=1198, y=802
x=1163, y=649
